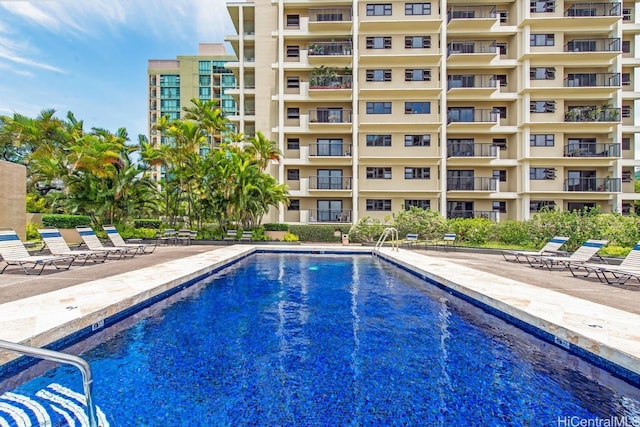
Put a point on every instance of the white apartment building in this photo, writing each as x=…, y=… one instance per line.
x=476, y=108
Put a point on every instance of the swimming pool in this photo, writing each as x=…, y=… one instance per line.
x=282, y=339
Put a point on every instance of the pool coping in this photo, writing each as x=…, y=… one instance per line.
x=603, y=335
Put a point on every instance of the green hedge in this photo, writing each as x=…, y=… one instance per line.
x=65, y=221
x=319, y=233
x=276, y=227
x=147, y=223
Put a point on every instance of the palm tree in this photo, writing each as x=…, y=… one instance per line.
x=263, y=150
x=210, y=118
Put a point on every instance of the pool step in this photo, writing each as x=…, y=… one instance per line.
x=54, y=405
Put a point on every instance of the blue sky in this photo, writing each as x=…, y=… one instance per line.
x=90, y=56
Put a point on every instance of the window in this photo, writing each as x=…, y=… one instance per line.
x=294, y=205
x=542, y=106
x=417, y=8
x=542, y=140
x=378, y=43
x=538, y=205
x=627, y=13
x=542, y=73
x=378, y=173
x=293, y=113
x=625, y=111
x=417, y=173
x=542, y=174
x=378, y=140
x=417, y=75
x=204, y=67
x=626, y=46
x=541, y=40
x=417, y=42
x=419, y=203
x=626, y=176
x=626, y=143
x=626, y=79
x=502, y=78
x=417, y=107
x=537, y=6
x=501, y=112
x=293, y=82
x=378, y=107
x=580, y=206
x=504, y=16
x=293, y=174
x=378, y=9
x=500, y=175
x=293, y=20
x=417, y=140
x=293, y=51
x=379, y=204
x=500, y=142
x=379, y=75
x=499, y=206
x=293, y=143
x=501, y=47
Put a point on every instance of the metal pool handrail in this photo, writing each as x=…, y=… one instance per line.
x=69, y=359
x=383, y=237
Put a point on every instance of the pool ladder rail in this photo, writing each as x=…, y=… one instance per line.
x=68, y=359
x=388, y=232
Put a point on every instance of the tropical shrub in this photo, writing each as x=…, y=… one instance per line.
x=366, y=230
x=147, y=223
x=290, y=237
x=276, y=227
x=65, y=221
x=427, y=223
x=315, y=233
x=32, y=231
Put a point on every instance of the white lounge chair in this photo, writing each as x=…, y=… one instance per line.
x=118, y=241
x=14, y=253
x=582, y=255
x=552, y=247
x=629, y=268
x=93, y=243
x=58, y=246
x=410, y=239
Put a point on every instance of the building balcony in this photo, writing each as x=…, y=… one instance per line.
x=471, y=18
x=330, y=82
x=593, y=184
x=594, y=9
x=329, y=215
x=329, y=149
x=472, y=47
x=594, y=45
x=472, y=184
x=329, y=49
x=472, y=81
x=592, y=114
x=330, y=183
x=330, y=115
x=588, y=149
x=592, y=80
x=330, y=15
x=472, y=115
x=472, y=150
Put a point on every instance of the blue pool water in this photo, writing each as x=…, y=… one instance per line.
x=321, y=340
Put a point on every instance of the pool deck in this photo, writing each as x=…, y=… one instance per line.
x=603, y=319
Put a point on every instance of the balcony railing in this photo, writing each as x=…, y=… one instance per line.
x=330, y=82
x=472, y=184
x=492, y=215
x=593, y=45
x=330, y=14
x=330, y=182
x=592, y=80
x=592, y=184
x=591, y=149
x=329, y=215
x=472, y=115
x=592, y=114
x=594, y=9
x=472, y=150
x=469, y=47
x=471, y=12
x=472, y=81
x=329, y=48
x=329, y=149
x=329, y=116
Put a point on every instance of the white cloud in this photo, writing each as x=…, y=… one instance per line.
x=12, y=52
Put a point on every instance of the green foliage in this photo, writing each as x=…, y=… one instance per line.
x=65, y=221
x=427, y=223
x=257, y=234
x=515, y=233
x=474, y=231
x=290, y=237
x=367, y=230
x=276, y=227
x=147, y=223
x=316, y=233
x=621, y=230
x=137, y=233
x=36, y=203
x=32, y=231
